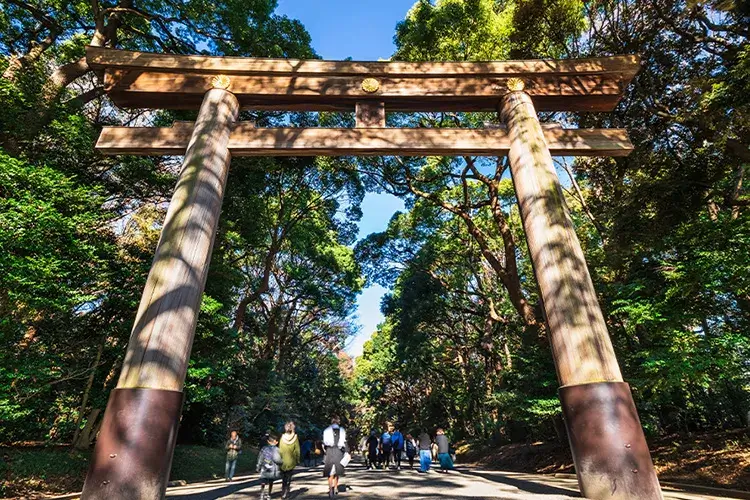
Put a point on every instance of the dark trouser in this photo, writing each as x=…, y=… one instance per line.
x=410, y=456
x=286, y=481
x=397, y=457
x=266, y=482
x=386, y=455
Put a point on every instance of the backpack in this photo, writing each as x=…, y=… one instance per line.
x=386, y=439
x=410, y=448
x=267, y=463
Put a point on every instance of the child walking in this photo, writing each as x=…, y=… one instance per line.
x=269, y=462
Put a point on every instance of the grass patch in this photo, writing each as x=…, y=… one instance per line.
x=195, y=463
x=34, y=471
x=25, y=471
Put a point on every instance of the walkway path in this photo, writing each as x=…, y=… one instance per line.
x=360, y=483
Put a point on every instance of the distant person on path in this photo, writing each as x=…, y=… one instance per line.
x=289, y=449
x=398, y=446
x=363, y=450
x=425, y=451
x=233, y=447
x=269, y=462
x=317, y=452
x=334, y=443
x=307, y=452
x=444, y=455
x=373, y=443
x=411, y=449
x=386, y=445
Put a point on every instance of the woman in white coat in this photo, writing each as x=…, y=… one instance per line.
x=334, y=443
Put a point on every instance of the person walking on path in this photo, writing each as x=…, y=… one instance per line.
x=373, y=443
x=289, y=449
x=411, y=450
x=233, y=447
x=386, y=445
x=444, y=455
x=334, y=443
x=269, y=462
x=398, y=446
x=363, y=450
x=425, y=451
x=317, y=452
x=307, y=451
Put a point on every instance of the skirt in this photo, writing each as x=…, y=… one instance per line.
x=332, y=463
x=425, y=459
x=446, y=462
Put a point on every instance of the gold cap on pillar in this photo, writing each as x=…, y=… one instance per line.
x=221, y=82
x=515, y=84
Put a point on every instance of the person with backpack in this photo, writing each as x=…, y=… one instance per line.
x=397, y=439
x=425, y=451
x=411, y=450
x=289, y=449
x=373, y=443
x=234, y=448
x=386, y=445
x=269, y=462
x=444, y=455
x=334, y=443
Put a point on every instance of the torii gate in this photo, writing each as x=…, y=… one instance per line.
x=133, y=454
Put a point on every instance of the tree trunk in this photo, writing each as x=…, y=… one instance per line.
x=83, y=440
x=87, y=391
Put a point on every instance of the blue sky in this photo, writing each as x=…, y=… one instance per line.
x=362, y=30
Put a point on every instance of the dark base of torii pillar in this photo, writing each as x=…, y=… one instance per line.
x=609, y=449
x=133, y=454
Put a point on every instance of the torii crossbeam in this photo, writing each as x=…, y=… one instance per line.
x=133, y=454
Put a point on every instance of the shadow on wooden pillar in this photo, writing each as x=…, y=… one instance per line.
x=133, y=454
x=606, y=438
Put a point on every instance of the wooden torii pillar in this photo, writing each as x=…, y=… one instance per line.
x=134, y=450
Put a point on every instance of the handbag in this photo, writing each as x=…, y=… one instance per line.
x=346, y=459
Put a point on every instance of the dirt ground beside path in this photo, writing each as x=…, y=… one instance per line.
x=718, y=459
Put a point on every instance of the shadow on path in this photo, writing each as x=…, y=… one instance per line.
x=362, y=484
x=524, y=485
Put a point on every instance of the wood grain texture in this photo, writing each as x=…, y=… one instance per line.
x=161, y=339
x=101, y=58
x=136, y=79
x=246, y=140
x=370, y=114
x=578, y=333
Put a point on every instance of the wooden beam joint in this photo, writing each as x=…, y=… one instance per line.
x=369, y=114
